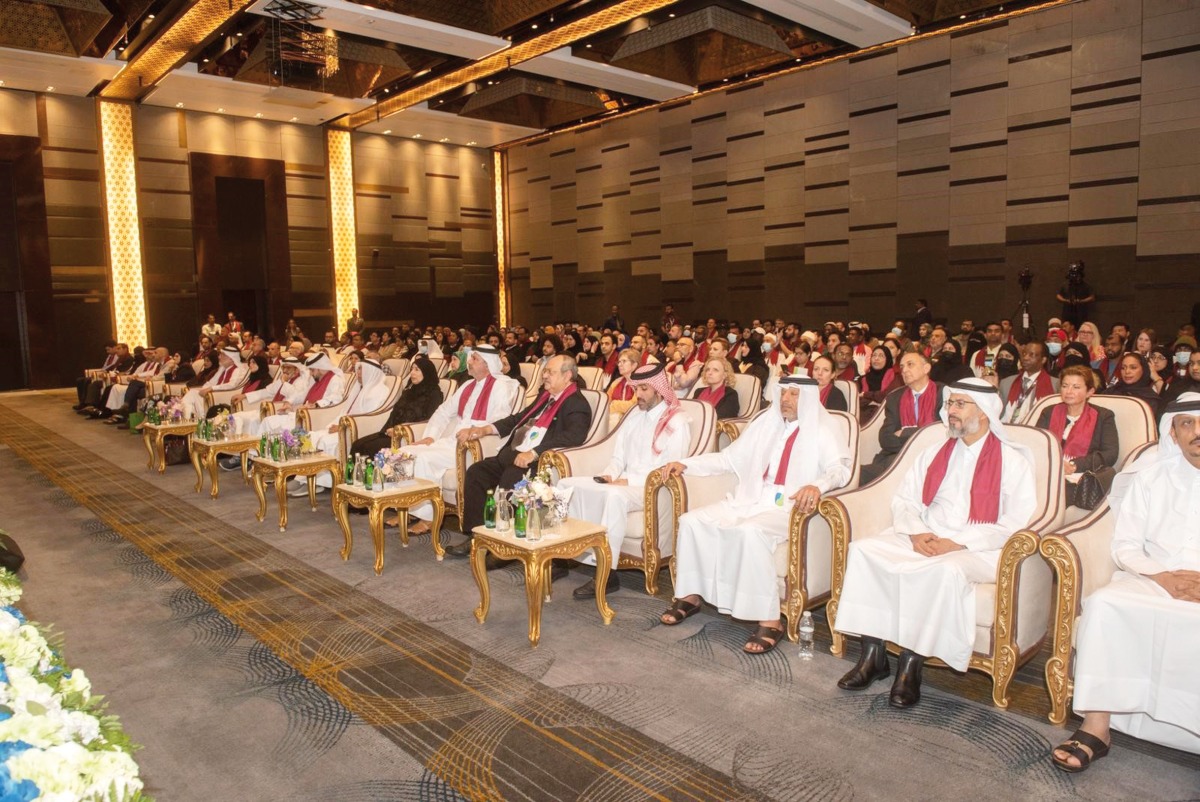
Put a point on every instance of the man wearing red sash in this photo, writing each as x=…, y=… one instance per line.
x=232, y=374
x=905, y=411
x=1022, y=392
x=559, y=417
x=328, y=388
x=914, y=583
x=685, y=368
x=489, y=396
x=290, y=386
x=725, y=552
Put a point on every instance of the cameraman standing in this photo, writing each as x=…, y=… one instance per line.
x=1075, y=295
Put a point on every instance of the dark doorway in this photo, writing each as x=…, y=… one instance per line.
x=242, y=240
x=14, y=372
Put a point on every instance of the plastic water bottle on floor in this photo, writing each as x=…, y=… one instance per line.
x=807, y=634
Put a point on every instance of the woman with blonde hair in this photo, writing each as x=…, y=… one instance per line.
x=716, y=387
x=1089, y=337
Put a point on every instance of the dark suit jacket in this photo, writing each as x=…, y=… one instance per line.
x=889, y=442
x=567, y=429
x=1102, y=451
x=727, y=407
x=837, y=400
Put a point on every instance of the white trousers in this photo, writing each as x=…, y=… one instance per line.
x=1137, y=652
x=606, y=505
x=431, y=462
x=116, y=396
x=193, y=403
x=926, y=604
x=247, y=422
x=724, y=553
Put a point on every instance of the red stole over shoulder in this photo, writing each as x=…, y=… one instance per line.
x=711, y=396
x=481, y=403
x=925, y=403
x=317, y=391
x=1080, y=439
x=985, y=485
x=621, y=391
x=550, y=411
x=1041, y=388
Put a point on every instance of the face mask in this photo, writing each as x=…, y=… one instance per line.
x=1054, y=348
x=766, y=348
x=732, y=338
x=1182, y=357
x=897, y=331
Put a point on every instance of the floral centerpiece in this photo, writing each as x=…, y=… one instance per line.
x=397, y=466
x=170, y=408
x=56, y=741
x=541, y=495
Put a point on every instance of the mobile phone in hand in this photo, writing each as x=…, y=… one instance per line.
x=601, y=479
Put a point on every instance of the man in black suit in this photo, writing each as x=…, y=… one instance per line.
x=923, y=315
x=906, y=409
x=559, y=418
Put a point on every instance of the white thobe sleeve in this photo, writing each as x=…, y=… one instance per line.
x=445, y=416
x=907, y=506
x=255, y=397
x=335, y=391
x=617, y=461
x=711, y=464
x=834, y=466
x=1133, y=522
x=1018, y=500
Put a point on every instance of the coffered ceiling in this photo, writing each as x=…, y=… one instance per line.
x=477, y=72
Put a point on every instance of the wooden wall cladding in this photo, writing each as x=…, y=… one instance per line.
x=939, y=169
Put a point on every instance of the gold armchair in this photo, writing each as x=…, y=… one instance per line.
x=750, y=403
x=1012, y=614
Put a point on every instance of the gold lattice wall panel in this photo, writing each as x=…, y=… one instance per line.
x=501, y=236
x=121, y=221
x=342, y=227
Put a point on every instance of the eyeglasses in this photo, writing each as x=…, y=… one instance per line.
x=954, y=403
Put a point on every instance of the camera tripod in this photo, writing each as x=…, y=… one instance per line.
x=1021, y=315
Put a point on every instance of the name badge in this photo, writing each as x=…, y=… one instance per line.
x=778, y=499
x=532, y=438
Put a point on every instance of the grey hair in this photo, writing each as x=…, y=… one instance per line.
x=570, y=365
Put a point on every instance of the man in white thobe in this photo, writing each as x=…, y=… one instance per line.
x=1138, y=643
x=372, y=394
x=156, y=359
x=231, y=374
x=650, y=435
x=328, y=388
x=914, y=583
x=290, y=386
x=489, y=396
x=724, y=551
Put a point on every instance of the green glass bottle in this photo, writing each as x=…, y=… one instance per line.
x=519, y=518
x=276, y=449
x=349, y=471
x=489, y=510
x=262, y=445
x=369, y=475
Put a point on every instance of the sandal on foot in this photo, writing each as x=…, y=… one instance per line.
x=681, y=609
x=1074, y=748
x=421, y=528
x=766, y=638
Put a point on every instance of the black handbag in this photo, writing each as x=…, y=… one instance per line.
x=11, y=556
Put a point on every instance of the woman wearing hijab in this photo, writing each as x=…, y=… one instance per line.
x=1088, y=433
x=418, y=402
x=1134, y=381
x=879, y=379
x=260, y=374
x=1006, y=363
x=949, y=366
x=752, y=360
x=208, y=368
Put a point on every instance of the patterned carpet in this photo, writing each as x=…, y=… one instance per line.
x=632, y=711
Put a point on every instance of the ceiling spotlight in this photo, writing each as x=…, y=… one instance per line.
x=220, y=111
x=179, y=105
x=962, y=16
x=416, y=136
x=149, y=16
x=672, y=16
x=49, y=88
x=534, y=26
x=239, y=33
x=386, y=91
x=293, y=119
x=258, y=116
x=472, y=142
x=205, y=61
x=444, y=139
x=388, y=131
x=588, y=46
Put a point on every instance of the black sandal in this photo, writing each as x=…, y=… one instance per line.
x=1074, y=748
x=760, y=638
x=681, y=610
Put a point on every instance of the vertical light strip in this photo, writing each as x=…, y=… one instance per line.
x=342, y=227
x=501, y=235
x=119, y=186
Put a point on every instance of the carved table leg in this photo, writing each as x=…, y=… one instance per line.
x=435, y=532
x=259, y=490
x=340, y=509
x=160, y=450
x=312, y=491
x=603, y=566
x=148, y=441
x=375, y=517
x=196, y=463
x=536, y=569
x=479, y=571
x=282, y=496
x=214, y=473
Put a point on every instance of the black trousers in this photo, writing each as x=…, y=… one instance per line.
x=81, y=387
x=93, y=395
x=483, y=476
x=372, y=444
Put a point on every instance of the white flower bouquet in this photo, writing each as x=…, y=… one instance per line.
x=56, y=741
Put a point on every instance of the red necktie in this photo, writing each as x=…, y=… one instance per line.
x=781, y=471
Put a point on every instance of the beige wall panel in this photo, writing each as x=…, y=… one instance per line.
x=1022, y=144
x=1046, y=170
x=18, y=113
x=168, y=207
x=1091, y=136
x=1097, y=203
x=1169, y=182
x=1169, y=230
x=977, y=216
x=877, y=90
x=72, y=193
x=211, y=133
x=676, y=266
x=826, y=254
x=1112, y=56
x=924, y=91
x=1036, y=33
x=923, y=51
x=1036, y=100
x=1178, y=27
x=71, y=122
x=979, y=59
x=1037, y=214
x=1165, y=150
x=978, y=116
x=872, y=250
x=1101, y=236
x=1101, y=16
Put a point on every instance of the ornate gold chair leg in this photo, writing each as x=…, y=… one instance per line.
x=195, y=458
x=479, y=570
x=340, y=507
x=435, y=530
x=534, y=572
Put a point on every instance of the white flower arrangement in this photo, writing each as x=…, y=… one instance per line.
x=56, y=742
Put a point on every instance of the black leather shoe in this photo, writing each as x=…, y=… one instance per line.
x=872, y=665
x=906, y=690
x=230, y=463
x=588, y=589
x=460, y=549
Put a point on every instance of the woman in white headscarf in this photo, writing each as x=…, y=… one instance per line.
x=724, y=551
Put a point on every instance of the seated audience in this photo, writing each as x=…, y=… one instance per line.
x=913, y=584
x=1022, y=391
x=1137, y=647
x=904, y=412
x=1134, y=380
x=724, y=553
x=1088, y=433
x=716, y=388
x=831, y=396
x=876, y=383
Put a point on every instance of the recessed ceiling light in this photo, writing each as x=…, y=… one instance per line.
x=416, y=136
x=220, y=111
x=962, y=16
x=258, y=116
x=534, y=26
x=293, y=119
x=388, y=131
x=444, y=139
x=472, y=142
x=672, y=16
x=1, y=83
x=239, y=33
x=205, y=61
x=588, y=46
x=179, y=105
x=387, y=91
x=149, y=16
x=49, y=88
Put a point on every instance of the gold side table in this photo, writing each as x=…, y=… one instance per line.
x=204, y=455
x=263, y=470
x=564, y=541
x=402, y=498
x=153, y=435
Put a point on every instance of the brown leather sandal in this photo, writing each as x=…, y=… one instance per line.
x=681, y=610
x=1074, y=748
x=766, y=638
